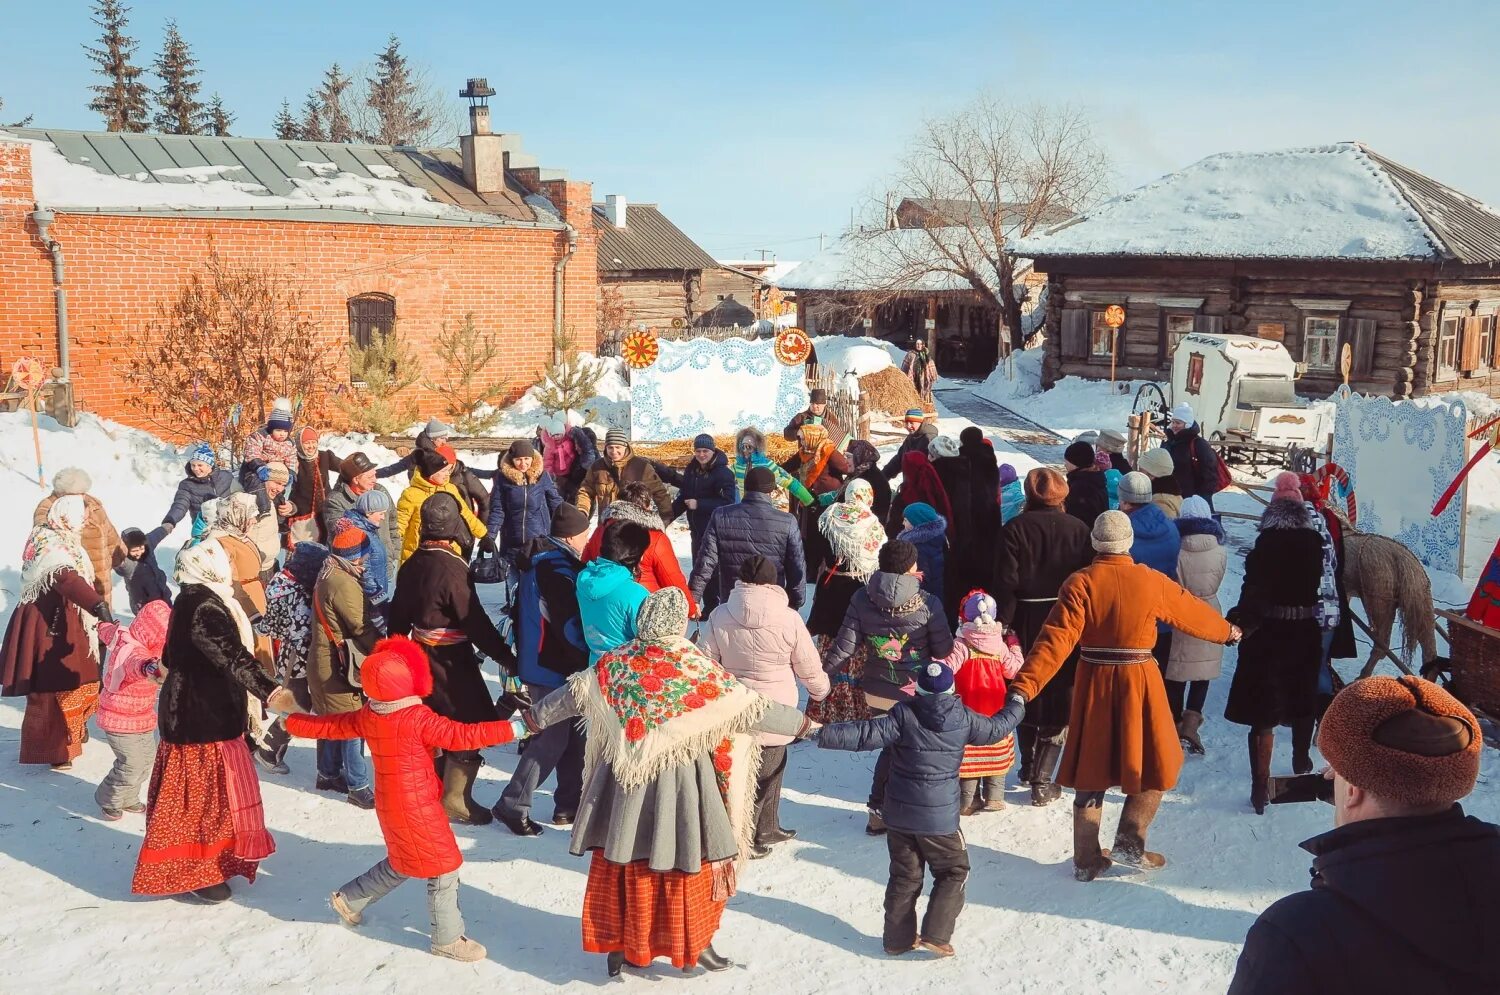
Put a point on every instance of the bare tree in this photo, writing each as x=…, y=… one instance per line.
x=985, y=175
x=25, y=122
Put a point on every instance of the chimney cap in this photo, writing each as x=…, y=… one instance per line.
x=478, y=89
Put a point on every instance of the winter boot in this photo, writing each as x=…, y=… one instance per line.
x=463, y=948
x=340, y=904
x=1187, y=731
x=969, y=802
x=1025, y=752
x=876, y=825
x=1044, y=790
x=1262, y=744
x=459, y=772
x=1130, y=837
x=994, y=793
x=1088, y=860
x=1302, y=733
x=712, y=960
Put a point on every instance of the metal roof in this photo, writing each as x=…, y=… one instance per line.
x=952, y=211
x=276, y=166
x=1469, y=230
x=648, y=241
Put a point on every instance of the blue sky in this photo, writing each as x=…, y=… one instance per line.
x=759, y=126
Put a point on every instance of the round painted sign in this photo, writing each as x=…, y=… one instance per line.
x=1114, y=316
x=29, y=373
x=640, y=349
x=792, y=347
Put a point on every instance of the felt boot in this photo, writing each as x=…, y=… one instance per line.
x=1088, y=860
x=1187, y=731
x=1261, y=746
x=994, y=793
x=459, y=772
x=968, y=796
x=1044, y=790
x=1025, y=752
x=1130, y=837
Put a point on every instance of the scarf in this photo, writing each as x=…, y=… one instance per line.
x=812, y=465
x=862, y=455
x=54, y=547
x=855, y=535
x=236, y=514
x=208, y=564
x=388, y=707
x=920, y=482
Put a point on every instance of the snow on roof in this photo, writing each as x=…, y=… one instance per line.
x=1329, y=202
x=772, y=273
x=893, y=259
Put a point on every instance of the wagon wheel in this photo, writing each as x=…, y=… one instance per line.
x=1301, y=459
x=1150, y=400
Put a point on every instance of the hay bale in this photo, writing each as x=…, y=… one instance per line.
x=889, y=392
x=678, y=452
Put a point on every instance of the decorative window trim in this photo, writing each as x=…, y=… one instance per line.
x=1178, y=303
x=1320, y=304
x=1333, y=362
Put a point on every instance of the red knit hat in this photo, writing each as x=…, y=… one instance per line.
x=150, y=625
x=446, y=452
x=349, y=540
x=1405, y=739
x=396, y=668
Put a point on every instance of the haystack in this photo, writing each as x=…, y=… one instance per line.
x=889, y=392
x=677, y=452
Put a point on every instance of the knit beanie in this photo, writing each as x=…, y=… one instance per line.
x=759, y=480
x=1194, y=507
x=349, y=541
x=71, y=480
x=429, y=461
x=281, y=415
x=704, y=441
x=1402, y=738
x=275, y=472
x=1155, y=463
x=1112, y=441
x=1113, y=532
x=150, y=625
x=758, y=570
x=1135, y=488
x=977, y=606
x=1007, y=474
x=1287, y=486
x=437, y=430
x=934, y=677
x=1079, y=455
x=374, y=500
x=203, y=452
x=898, y=556
x=617, y=437
x=942, y=447
x=446, y=451
x=396, y=668
x=353, y=465
x=1102, y=460
x=520, y=449
x=568, y=521
x=915, y=414
x=1047, y=487
x=1183, y=411
x=662, y=616
x=919, y=513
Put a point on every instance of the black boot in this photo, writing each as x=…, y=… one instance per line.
x=1302, y=733
x=1044, y=790
x=521, y=825
x=1262, y=744
x=614, y=961
x=712, y=960
x=213, y=894
x=1025, y=753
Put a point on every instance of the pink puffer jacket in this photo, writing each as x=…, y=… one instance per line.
x=759, y=639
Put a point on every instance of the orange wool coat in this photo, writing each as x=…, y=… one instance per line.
x=1121, y=732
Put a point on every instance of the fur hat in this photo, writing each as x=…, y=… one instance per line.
x=617, y=437
x=1402, y=738
x=934, y=677
x=898, y=556
x=437, y=429
x=1155, y=463
x=1135, y=488
x=977, y=606
x=71, y=480
x=919, y=513
x=521, y=448
x=1194, y=507
x=1007, y=474
x=943, y=446
x=1079, y=455
x=353, y=465
x=1183, y=411
x=441, y=519
x=1113, y=532
x=396, y=668
x=568, y=521
x=203, y=452
x=150, y=625
x=281, y=415
x=1047, y=487
x=349, y=541
x=704, y=441
x=1111, y=441
x=972, y=435
x=662, y=616
x=374, y=500
x=758, y=570
x=759, y=480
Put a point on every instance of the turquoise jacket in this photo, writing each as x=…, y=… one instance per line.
x=608, y=598
x=784, y=480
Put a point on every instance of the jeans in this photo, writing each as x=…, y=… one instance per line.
x=442, y=898
x=135, y=752
x=344, y=757
x=911, y=856
x=559, y=747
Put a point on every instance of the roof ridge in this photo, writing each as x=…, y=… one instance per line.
x=1376, y=166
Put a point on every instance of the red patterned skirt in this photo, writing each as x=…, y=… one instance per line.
x=649, y=914
x=846, y=701
x=204, y=821
x=53, y=726
x=988, y=761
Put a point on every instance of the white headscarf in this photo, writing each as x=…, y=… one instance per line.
x=54, y=547
x=235, y=515
x=208, y=564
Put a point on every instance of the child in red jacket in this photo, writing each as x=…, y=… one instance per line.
x=401, y=733
x=985, y=656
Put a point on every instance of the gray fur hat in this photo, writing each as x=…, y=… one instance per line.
x=71, y=480
x=942, y=447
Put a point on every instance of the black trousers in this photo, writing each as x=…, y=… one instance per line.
x=768, y=791
x=558, y=747
x=1196, y=693
x=911, y=856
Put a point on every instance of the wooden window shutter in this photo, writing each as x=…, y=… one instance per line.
x=1075, y=333
x=1362, y=345
x=1208, y=324
x=1468, y=346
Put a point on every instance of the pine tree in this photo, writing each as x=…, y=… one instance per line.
x=219, y=118
x=381, y=373
x=287, y=128
x=121, y=99
x=400, y=118
x=473, y=395
x=570, y=382
x=324, y=117
x=311, y=129
x=25, y=122
x=180, y=111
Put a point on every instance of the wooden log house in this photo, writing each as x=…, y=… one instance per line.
x=1315, y=248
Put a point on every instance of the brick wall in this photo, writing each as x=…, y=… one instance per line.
x=121, y=267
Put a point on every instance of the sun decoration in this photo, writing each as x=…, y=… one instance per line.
x=792, y=347
x=641, y=349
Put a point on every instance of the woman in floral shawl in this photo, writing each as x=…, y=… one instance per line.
x=669, y=789
x=854, y=534
x=51, y=650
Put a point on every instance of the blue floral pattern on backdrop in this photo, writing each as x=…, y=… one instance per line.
x=1400, y=457
x=702, y=385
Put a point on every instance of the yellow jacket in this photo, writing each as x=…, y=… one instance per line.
x=409, y=519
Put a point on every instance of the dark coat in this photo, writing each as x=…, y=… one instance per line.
x=521, y=505
x=145, y=581
x=712, y=487
x=974, y=494
x=208, y=672
x=984, y=490
x=739, y=531
x=1088, y=495
x=604, y=481
x=433, y=591
x=934, y=561
x=926, y=736
x=468, y=481
x=1397, y=906
x=916, y=442
x=1195, y=465
x=900, y=624
x=310, y=490
x=1038, y=550
x=549, y=633
x=193, y=491
x=830, y=603
x=1276, y=679
x=46, y=645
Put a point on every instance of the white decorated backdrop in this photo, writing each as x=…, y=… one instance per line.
x=1400, y=457
x=702, y=385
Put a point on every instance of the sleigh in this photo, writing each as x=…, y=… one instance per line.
x=1474, y=662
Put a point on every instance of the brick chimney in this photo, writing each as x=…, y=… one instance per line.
x=483, y=152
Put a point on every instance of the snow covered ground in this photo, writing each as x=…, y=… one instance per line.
x=806, y=919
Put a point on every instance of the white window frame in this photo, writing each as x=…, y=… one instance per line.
x=1167, y=333
x=1322, y=320
x=1096, y=321
x=1447, y=370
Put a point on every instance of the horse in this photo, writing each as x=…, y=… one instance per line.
x=1388, y=578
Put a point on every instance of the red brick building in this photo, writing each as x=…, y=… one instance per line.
x=367, y=233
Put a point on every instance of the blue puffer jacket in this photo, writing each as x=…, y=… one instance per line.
x=521, y=505
x=376, y=580
x=550, y=643
x=193, y=491
x=926, y=736
x=737, y=532
x=931, y=540
x=712, y=487
x=1157, y=541
x=608, y=599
